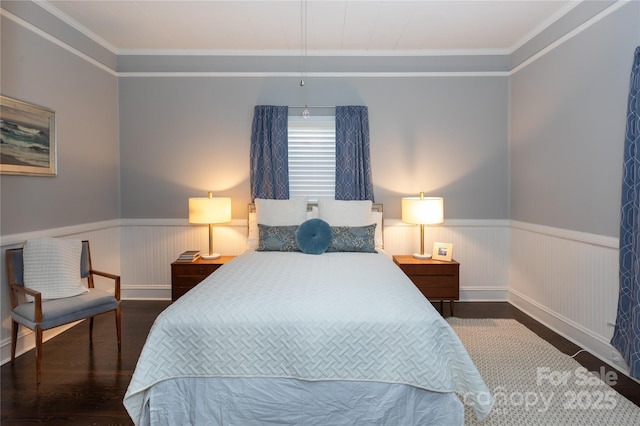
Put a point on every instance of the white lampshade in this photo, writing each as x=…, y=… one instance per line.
x=209, y=210
x=423, y=211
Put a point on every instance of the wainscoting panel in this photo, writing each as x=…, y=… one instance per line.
x=481, y=247
x=149, y=247
x=568, y=281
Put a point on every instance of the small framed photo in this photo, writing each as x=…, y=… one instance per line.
x=28, y=143
x=442, y=251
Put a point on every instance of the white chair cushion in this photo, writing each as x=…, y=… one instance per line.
x=52, y=267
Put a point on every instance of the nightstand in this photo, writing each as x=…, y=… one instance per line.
x=185, y=274
x=436, y=279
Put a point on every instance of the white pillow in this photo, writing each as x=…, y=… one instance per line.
x=376, y=217
x=281, y=212
x=52, y=267
x=277, y=213
x=344, y=212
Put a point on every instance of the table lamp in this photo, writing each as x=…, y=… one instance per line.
x=210, y=211
x=422, y=211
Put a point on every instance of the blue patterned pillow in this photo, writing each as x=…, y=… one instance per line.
x=314, y=236
x=277, y=238
x=354, y=238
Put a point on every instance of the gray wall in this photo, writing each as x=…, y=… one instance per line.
x=85, y=99
x=568, y=118
x=447, y=136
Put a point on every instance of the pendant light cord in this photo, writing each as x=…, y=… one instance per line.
x=303, y=54
x=303, y=40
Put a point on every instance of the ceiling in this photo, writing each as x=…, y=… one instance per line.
x=332, y=26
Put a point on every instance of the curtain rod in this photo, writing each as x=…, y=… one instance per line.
x=311, y=106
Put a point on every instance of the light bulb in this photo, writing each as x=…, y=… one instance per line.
x=306, y=114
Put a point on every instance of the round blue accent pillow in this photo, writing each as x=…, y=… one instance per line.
x=314, y=236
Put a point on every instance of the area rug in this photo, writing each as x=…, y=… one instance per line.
x=533, y=383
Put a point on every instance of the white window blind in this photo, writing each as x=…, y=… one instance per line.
x=312, y=157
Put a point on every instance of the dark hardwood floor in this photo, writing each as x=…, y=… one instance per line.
x=84, y=384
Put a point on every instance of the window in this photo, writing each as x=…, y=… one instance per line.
x=312, y=157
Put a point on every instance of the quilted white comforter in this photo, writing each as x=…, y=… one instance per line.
x=335, y=316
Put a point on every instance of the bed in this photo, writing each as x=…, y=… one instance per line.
x=289, y=338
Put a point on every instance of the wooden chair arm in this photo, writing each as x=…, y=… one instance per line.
x=114, y=277
x=37, y=299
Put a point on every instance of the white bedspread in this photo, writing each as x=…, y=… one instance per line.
x=335, y=316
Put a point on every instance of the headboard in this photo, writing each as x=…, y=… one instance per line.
x=375, y=207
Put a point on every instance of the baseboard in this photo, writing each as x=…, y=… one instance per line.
x=163, y=292
x=484, y=294
x=146, y=292
x=592, y=343
x=26, y=341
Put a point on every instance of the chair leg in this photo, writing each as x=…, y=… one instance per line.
x=91, y=329
x=14, y=339
x=38, y=333
x=119, y=328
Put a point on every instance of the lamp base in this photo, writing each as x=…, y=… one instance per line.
x=210, y=256
x=422, y=256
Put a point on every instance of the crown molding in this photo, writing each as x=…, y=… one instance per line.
x=46, y=5
x=608, y=11
x=75, y=25
x=55, y=41
x=315, y=53
x=240, y=74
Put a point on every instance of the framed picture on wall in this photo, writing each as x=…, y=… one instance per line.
x=28, y=145
x=442, y=251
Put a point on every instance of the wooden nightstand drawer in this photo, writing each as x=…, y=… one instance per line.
x=193, y=269
x=438, y=293
x=187, y=275
x=436, y=280
x=433, y=270
x=183, y=286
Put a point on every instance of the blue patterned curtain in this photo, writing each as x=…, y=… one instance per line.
x=353, y=162
x=626, y=336
x=269, y=154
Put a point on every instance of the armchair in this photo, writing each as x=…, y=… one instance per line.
x=42, y=314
